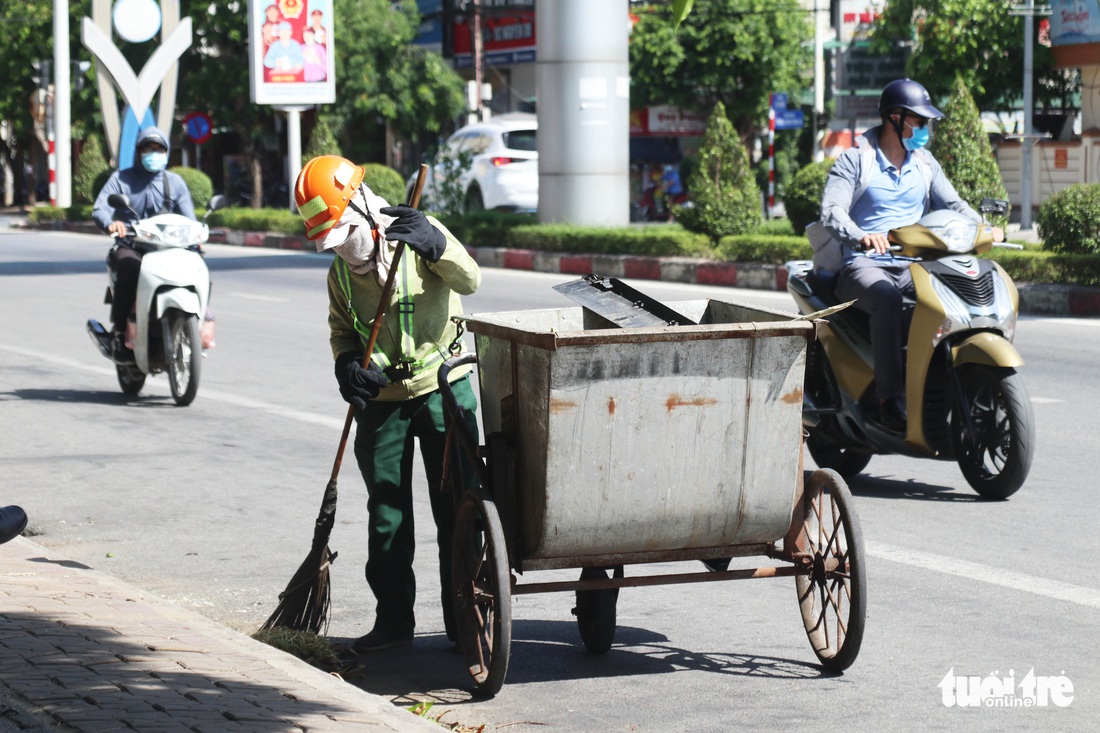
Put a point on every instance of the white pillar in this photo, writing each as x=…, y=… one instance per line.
x=62, y=126
x=293, y=148
x=583, y=87
x=1029, y=108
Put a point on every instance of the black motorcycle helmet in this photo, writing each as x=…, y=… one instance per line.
x=908, y=95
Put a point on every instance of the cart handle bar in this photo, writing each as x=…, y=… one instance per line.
x=444, y=384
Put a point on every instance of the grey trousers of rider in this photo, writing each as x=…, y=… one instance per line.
x=878, y=287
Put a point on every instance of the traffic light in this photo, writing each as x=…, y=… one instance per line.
x=41, y=73
x=80, y=69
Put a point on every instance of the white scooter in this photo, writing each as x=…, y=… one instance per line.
x=172, y=296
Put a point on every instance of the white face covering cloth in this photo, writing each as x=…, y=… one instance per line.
x=352, y=239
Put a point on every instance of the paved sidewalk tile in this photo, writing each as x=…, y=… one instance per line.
x=81, y=651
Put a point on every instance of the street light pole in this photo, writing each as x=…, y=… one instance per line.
x=62, y=92
x=1029, y=108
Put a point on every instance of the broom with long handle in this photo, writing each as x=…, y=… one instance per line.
x=304, y=605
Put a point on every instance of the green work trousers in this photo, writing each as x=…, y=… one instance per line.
x=384, y=450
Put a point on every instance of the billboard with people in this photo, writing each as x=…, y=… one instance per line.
x=291, y=52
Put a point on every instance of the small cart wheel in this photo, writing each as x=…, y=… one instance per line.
x=832, y=594
x=483, y=606
x=595, y=611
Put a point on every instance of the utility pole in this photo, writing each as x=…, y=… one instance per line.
x=1029, y=12
x=62, y=93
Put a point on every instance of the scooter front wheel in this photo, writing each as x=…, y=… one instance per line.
x=847, y=462
x=996, y=458
x=183, y=352
x=130, y=378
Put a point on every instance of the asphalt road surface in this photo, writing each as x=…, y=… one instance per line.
x=212, y=506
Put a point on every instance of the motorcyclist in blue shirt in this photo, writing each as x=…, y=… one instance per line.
x=888, y=181
x=152, y=190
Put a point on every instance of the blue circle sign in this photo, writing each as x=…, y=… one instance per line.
x=197, y=127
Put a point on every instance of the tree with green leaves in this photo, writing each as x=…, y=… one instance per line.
x=724, y=194
x=962, y=148
x=26, y=36
x=736, y=52
x=385, y=82
x=977, y=41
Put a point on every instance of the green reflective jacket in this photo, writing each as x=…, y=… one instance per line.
x=417, y=327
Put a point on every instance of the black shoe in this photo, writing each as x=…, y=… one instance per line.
x=119, y=353
x=892, y=414
x=377, y=640
x=717, y=565
x=13, y=520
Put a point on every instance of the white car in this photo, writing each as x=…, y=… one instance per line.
x=504, y=173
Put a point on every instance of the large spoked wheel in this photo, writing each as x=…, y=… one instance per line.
x=996, y=458
x=183, y=352
x=832, y=595
x=130, y=379
x=845, y=461
x=595, y=611
x=483, y=603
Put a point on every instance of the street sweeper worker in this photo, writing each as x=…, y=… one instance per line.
x=396, y=397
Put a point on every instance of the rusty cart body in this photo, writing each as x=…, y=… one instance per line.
x=608, y=447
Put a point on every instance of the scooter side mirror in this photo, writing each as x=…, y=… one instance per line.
x=217, y=202
x=119, y=200
x=996, y=207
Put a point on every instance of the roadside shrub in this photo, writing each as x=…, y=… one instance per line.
x=803, y=197
x=662, y=241
x=487, y=228
x=322, y=139
x=724, y=194
x=100, y=182
x=258, y=220
x=198, y=183
x=962, y=147
x=43, y=214
x=385, y=181
x=769, y=249
x=1069, y=221
x=88, y=168
x=775, y=228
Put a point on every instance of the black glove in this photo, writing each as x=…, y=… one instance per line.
x=414, y=229
x=357, y=385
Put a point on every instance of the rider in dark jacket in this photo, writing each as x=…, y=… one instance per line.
x=152, y=190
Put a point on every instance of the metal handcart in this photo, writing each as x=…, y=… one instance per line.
x=608, y=447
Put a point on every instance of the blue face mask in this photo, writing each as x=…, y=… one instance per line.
x=919, y=139
x=154, y=161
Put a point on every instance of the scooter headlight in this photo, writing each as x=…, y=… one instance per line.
x=956, y=312
x=958, y=234
x=178, y=235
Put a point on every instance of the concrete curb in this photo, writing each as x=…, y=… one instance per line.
x=1035, y=299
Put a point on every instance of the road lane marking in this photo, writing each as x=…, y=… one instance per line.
x=207, y=394
x=1045, y=400
x=987, y=574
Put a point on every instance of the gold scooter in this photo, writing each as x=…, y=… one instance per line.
x=965, y=399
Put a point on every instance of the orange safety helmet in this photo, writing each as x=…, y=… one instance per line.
x=323, y=190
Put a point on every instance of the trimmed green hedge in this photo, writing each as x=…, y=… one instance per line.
x=772, y=243
x=766, y=248
x=258, y=220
